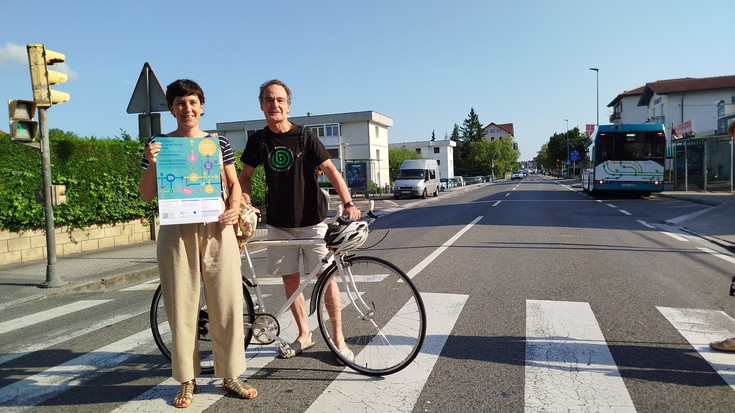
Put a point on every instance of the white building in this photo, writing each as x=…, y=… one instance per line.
x=360, y=137
x=693, y=105
x=441, y=151
x=495, y=131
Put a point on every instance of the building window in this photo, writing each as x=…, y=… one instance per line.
x=377, y=132
x=377, y=154
x=436, y=149
x=331, y=130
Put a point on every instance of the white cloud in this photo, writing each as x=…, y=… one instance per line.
x=13, y=55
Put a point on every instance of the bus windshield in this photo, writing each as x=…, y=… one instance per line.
x=631, y=146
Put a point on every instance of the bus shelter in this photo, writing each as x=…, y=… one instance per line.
x=702, y=164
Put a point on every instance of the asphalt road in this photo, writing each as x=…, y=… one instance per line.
x=540, y=297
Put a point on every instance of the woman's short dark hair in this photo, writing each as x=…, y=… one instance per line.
x=183, y=87
x=270, y=83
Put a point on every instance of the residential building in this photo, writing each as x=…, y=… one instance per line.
x=495, y=131
x=686, y=103
x=441, y=151
x=359, y=138
x=695, y=113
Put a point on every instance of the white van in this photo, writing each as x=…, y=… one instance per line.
x=418, y=177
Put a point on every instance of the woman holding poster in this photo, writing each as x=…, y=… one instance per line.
x=199, y=253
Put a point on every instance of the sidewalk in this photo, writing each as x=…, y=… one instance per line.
x=99, y=270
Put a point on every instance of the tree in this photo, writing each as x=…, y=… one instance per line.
x=472, y=128
x=455, y=134
x=396, y=156
x=465, y=162
x=433, y=135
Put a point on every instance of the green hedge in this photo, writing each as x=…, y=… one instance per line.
x=101, y=177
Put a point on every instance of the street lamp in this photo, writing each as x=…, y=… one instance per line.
x=567, y=121
x=597, y=76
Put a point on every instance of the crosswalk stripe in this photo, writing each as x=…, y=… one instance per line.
x=64, y=334
x=12, y=325
x=568, y=364
x=158, y=398
x=50, y=382
x=352, y=392
x=699, y=328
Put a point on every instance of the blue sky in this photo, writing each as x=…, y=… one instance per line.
x=422, y=63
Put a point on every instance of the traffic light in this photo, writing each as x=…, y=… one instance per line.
x=22, y=126
x=58, y=194
x=38, y=60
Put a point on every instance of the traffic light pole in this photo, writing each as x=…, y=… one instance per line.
x=52, y=278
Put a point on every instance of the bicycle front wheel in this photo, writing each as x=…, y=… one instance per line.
x=377, y=309
x=162, y=332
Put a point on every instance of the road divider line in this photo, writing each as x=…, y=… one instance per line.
x=431, y=257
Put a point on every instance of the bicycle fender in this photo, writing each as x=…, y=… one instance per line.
x=319, y=282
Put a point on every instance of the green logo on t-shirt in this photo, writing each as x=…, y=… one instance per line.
x=281, y=158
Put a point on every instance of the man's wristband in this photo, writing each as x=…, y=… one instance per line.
x=349, y=204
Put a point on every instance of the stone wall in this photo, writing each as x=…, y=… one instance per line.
x=20, y=247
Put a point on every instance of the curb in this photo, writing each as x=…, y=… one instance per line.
x=86, y=286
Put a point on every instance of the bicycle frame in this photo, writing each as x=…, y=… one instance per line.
x=332, y=256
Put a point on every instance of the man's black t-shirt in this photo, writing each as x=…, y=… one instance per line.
x=294, y=198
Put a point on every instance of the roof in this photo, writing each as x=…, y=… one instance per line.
x=633, y=92
x=687, y=84
x=508, y=127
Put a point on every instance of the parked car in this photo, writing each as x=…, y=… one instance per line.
x=516, y=175
x=446, y=183
x=457, y=180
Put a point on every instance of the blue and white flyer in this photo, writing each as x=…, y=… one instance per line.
x=188, y=180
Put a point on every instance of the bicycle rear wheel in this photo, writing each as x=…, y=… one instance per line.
x=162, y=332
x=384, y=324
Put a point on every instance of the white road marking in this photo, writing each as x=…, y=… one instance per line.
x=52, y=313
x=645, y=224
x=674, y=236
x=51, y=382
x=728, y=258
x=568, y=363
x=65, y=334
x=624, y=212
x=699, y=328
x=431, y=257
x=398, y=392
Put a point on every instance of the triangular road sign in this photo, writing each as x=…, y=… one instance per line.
x=148, y=95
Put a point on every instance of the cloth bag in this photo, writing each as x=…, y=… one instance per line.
x=247, y=219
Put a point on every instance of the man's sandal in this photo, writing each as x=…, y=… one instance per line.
x=287, y=351
x=185, y=395
x=239, y=387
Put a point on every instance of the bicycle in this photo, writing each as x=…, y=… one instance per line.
x=383, y=321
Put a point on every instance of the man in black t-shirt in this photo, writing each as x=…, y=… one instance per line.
x=295, y=204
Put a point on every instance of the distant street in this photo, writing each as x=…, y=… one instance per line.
x=539, y=297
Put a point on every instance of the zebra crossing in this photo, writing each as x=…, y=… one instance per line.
x=568, y=365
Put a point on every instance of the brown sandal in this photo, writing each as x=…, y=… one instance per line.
x=185, y=394
x=239, y=387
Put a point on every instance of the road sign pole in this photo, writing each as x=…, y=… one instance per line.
x=52, y=278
